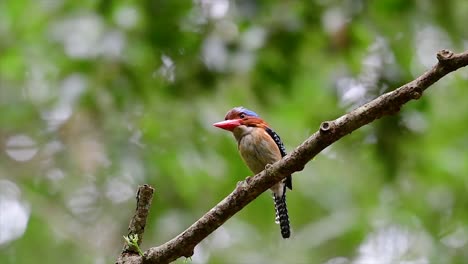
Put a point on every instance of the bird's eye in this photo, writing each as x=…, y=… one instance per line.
x=242, y=115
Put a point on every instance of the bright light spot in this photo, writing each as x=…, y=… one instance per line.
x=38, y=87
x=377, y=65
x=415, y=121
x=333, y=20
x=167, y=69
x=80, y=35
x=71, y=89
x=331, y=227
x=221, y=238
x=214, y=53
x=429, y=40
x=14, y=214
x=170, y=223
x=194, y=21
x=254, y=38
x=119, y=191
x=83, y=201
x=86, y=36
x=136, y=138
x=127, y=17
x=52, y=147
x=55, y=174
x=189, y=161
x=201, y=255
x=351, y=91
x=219, y=8
x=21, y=148
x=57, y=116
x=338, y=260
x=131, y=170
x=111, y=44
x=456, y=239
x=50, y=6
x=215, y=8
x=167, y=61
x=390, y=245
x=330, y=153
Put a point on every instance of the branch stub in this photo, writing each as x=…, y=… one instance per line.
x=444, y=55
x=325, y=127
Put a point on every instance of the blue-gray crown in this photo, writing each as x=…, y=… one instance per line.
x=246, y=111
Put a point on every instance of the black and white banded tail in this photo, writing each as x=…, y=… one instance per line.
x=282, y=217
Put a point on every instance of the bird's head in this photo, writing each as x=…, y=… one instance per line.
x=239, y=120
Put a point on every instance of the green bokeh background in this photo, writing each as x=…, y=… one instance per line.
x=98, y=97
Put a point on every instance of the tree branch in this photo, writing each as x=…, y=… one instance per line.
x=137, y=225
x=329, y=132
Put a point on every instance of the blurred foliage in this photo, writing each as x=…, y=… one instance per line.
x=100, y=96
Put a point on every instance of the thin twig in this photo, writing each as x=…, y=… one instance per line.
x=131, y=251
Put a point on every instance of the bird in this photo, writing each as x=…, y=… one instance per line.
x=259, y=145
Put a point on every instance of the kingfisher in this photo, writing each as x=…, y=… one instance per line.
x=259, y=146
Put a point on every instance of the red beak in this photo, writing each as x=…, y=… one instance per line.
x=228, y=124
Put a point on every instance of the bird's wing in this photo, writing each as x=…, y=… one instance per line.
x=277, y=140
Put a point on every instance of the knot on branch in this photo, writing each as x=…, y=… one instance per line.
x=243, y=184
x=417, y=93
x=444, y=55
x=326, y=127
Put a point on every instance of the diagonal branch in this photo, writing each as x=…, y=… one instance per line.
x=329, y=132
